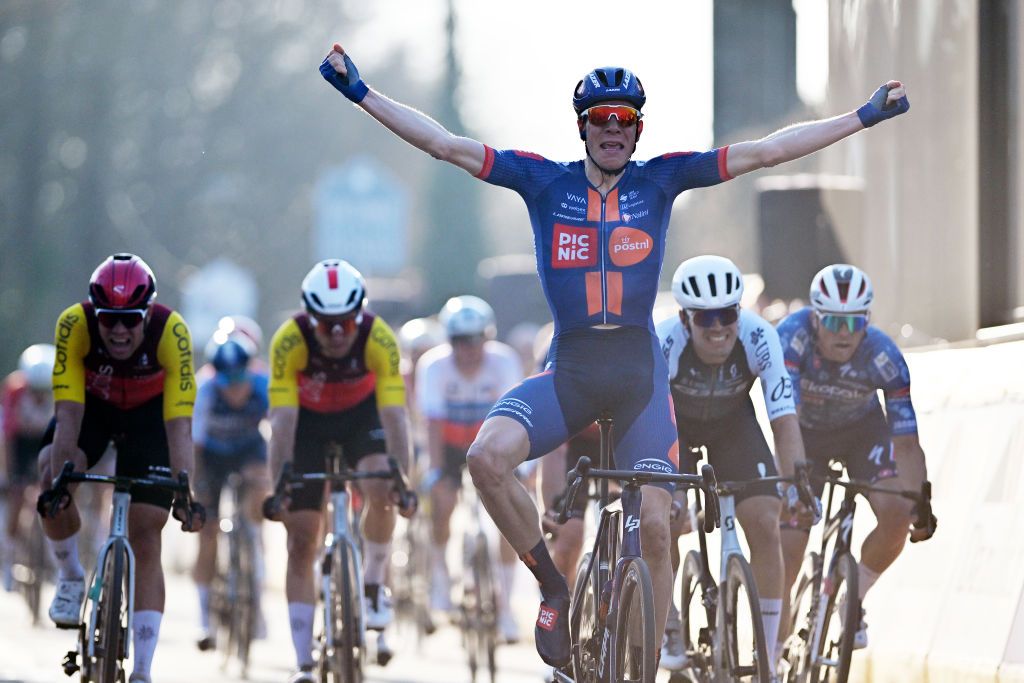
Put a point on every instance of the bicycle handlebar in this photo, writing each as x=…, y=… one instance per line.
x=922, y=499
x=288, y=480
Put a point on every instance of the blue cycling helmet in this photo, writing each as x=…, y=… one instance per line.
x=231, y=361
x=608, y=83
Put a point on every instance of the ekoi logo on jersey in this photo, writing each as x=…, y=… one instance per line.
x=573, y=247
x=629, y=246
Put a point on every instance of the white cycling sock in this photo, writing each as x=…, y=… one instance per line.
x=145, y=633
x=300, y=615
x=65, y=554
x=771, y=610
x=866, y=577
x=375, y=561
x=204, y=607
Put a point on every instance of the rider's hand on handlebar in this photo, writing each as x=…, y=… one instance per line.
x=52, y=501
x=407, y=504
x=803, y=514
x=192, y=516
x=275, y=506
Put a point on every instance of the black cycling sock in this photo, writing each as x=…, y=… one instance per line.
x=552, y=583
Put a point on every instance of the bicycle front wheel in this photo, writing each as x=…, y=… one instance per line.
x=697, y=618
x=345, y=653
x=108, y=636
x=586, y=626
x=636, y=642
x=839, y=624
x=744, y=649
x=243, y=570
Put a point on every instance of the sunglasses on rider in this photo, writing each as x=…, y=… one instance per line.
x=706, y=317
x=467, y=339
x=328, y=323
x=835, y=322
x=129, y=317
x=601, y=114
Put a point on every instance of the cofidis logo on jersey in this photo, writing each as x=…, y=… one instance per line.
x=573, y=247
x=629, y=246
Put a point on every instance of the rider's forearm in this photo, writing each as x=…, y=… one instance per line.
x=68, y=415
x=179, y=444
x=395, y=421
x=791, y=142
x=283, y=424
x=910, y=461
x=424, y=133
x=789, y=444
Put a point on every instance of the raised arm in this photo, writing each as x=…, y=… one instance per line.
x=802, y=139
x=413, y=126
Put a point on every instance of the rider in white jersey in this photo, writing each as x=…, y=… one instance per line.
x=456, y=385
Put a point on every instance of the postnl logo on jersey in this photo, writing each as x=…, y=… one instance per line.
x=629, y=246
x=573, y=247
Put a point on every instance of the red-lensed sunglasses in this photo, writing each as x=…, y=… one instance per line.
x=327, y=323
x=706, y=317
x=129, y=317
x=601, y=114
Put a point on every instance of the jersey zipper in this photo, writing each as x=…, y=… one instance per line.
x=711, y=394
x=604, y=273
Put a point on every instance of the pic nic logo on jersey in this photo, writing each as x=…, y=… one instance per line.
x=629, y=246
x=573, y=247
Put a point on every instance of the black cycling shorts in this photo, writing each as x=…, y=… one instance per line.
x=213, y=470
x=864, y=448
x=22, y=464
x=357, y=431
x=736, y=448
x=140, y=439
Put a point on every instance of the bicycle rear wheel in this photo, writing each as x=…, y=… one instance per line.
x=480, y=625
x=697, y=619
x=35, y=547
x=108, y=636
x=796, y=650
x=744, y=649
x=586, y=626
x=636, y=642
x=243, y=580
x=839, y=624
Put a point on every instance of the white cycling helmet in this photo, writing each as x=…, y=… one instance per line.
x=420, y=335
x=333, y=287
x=36, y=363
x=707, y=281
x=841, y=288
x=242, y=325
x=468, y=316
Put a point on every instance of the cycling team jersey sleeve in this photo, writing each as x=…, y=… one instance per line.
x=174, y=353
x=525, y=172
x=429, y=393
x=72, y=341
x=673, y=337
x=205, y=399
x=893, y=377
x=795, y=338
x=676, y=172
x=765, y=358
x=288, y=357
x=384, y=361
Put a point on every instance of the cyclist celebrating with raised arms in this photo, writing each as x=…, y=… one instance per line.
x=715, y=352
x=599, y=231
x=335, y=379
x=123, y=372
x=838, y=363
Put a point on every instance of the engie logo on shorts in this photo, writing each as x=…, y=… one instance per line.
x=653, y=465
x=629, y=246
x=573, y=247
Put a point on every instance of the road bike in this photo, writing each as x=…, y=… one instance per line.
x=341, y=643
x=29, y=565
x=479, y=606
x=825, y=610
x=611, y=615
x=722, y=627
x=104, y=631
x=410, y=571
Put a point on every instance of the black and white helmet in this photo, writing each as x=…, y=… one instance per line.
x=468, y=316
x=841, y=288
x=707, y=281
x=333, y=287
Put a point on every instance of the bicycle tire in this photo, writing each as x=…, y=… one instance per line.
x=36, y=558
x=345, y=653
x=744, y=648
x=694, y=618
x=838, y=627
x=585, y=627
x=635, y=661
x=796, y=649
x=487, y=605
x=108, y=643
x=245, y=612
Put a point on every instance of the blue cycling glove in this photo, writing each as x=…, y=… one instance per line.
x=875, y=110
x=351, y=86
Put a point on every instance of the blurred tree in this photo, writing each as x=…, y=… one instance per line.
x=453, y=239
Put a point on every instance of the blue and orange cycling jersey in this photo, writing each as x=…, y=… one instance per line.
x=599, y=257
x=833, y=395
